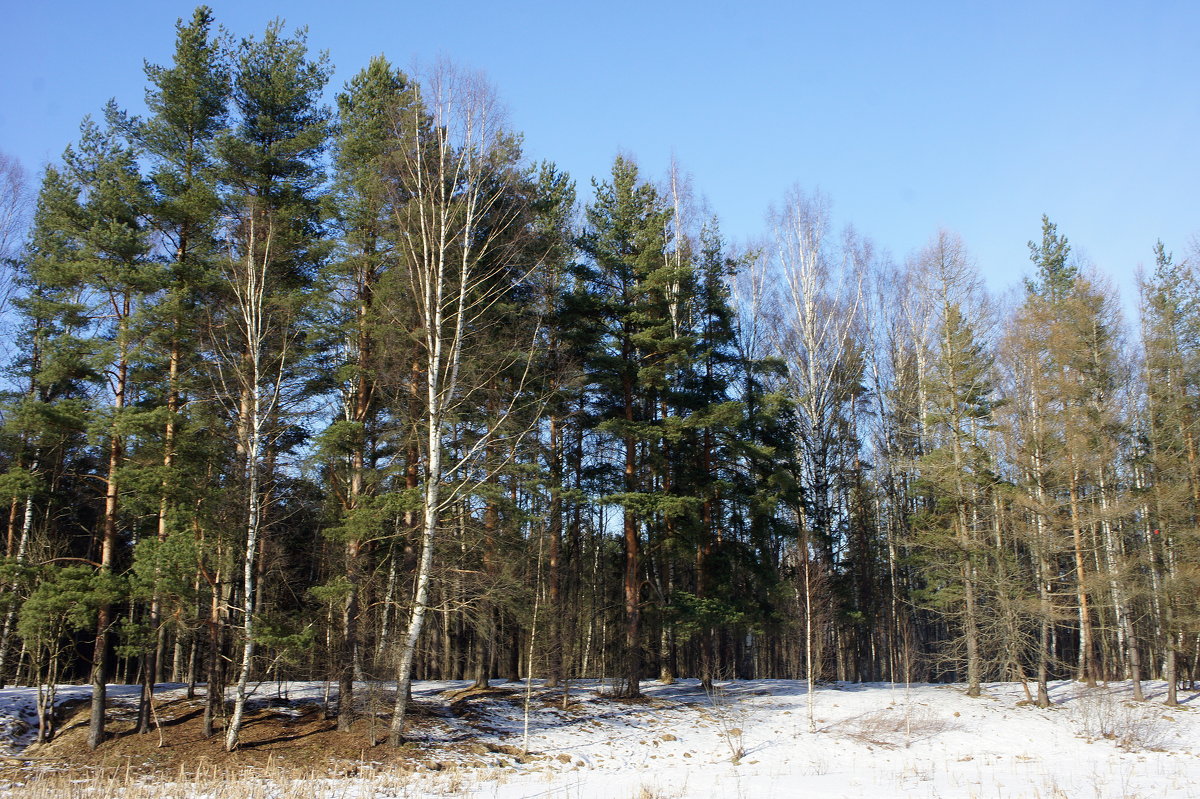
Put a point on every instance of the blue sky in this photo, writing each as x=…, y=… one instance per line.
x=977, y=117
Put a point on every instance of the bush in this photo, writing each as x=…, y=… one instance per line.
x=1102, y=713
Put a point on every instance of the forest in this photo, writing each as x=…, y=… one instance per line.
x=355, y=392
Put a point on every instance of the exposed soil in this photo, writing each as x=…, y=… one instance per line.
x=752, y=738
x=295, y=737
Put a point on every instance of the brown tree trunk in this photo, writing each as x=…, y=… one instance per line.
x=554, y=579
x=215, y=690
x=154, y=659
x=108, y=549
x=1087, y=659
x=631, y=582
x=360, y=408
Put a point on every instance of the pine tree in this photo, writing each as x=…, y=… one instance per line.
x=105, y=281
x=372, y=107
x=1055, y=271
x=625, y=242
x=188, y=104
x=45, y=420
x=269, y=165
x=553, y=240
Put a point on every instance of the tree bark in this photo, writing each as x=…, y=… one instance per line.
x=108, y=549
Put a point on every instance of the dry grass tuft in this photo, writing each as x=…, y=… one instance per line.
x=894, y=727
x=1100, y=713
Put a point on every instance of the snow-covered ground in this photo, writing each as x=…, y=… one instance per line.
x=18, y=710
x=755, y=739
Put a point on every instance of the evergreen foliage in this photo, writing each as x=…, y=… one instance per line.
x=366, y=397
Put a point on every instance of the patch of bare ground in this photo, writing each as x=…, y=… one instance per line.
x=294, y=739
x=288, y=749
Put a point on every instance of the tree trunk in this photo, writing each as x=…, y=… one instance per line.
x=554, y=669
x=10, y=615
x=1087, y=657
x=432, y=499
x=108, y=551
x=631, y=581
x=253, y=522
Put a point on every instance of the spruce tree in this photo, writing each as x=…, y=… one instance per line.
x=699, y=431
x=958, y=477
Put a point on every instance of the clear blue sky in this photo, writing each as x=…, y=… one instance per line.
x=974, y=116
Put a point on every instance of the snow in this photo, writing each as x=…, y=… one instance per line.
x=870, y=740
x=18, y=711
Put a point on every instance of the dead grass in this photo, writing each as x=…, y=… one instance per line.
x=287, y=753
x=212, y=782
x=893, y=727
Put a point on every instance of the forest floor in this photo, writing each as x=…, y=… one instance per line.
x=743, y=739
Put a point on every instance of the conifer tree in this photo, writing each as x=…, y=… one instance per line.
x=104, y=279
x=553, y=238
x=269, y=166
x=701, y=433
x=957, y=470
x=369, y=107
x=1063, y=344
x=45, y=419
x=188, y=104
x=625, y=242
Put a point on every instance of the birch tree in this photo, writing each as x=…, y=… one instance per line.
x=957, y=469
x=818, y=311
x=457, y=181
x=268, y=164
x=15, y=207
x=253, y=378
x=1170, y=484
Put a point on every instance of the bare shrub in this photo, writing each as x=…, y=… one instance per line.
x=654, y=792
x=1101, y=713
x=893, y=727
x=731, y=720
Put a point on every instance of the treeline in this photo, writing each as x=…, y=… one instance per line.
x=361, y=395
